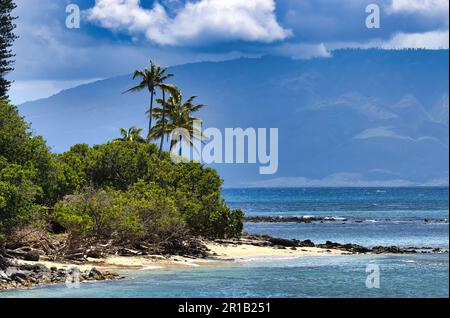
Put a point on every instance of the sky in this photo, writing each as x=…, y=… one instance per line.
x=117, y=36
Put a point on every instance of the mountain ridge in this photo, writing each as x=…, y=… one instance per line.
x=356, y=112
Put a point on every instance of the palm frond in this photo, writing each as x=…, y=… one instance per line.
x=138, y=73
x=136, y=88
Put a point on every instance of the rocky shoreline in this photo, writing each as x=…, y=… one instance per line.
x=25, y=275
x=269, y=241
x=14, y=275
x=291, y=219
x=319, y=219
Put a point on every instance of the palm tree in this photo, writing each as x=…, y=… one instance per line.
x=132, y=134
x=173, y=90
x=152, y=79
x=176, y=114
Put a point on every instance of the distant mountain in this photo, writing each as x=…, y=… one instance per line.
x=362, y=117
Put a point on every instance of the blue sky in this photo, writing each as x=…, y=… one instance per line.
x=117, y=36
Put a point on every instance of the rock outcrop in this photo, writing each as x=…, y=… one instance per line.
x=13, y=275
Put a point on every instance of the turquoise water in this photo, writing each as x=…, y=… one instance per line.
x=374, y=216
x=319, y=276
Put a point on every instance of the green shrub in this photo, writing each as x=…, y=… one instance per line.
x=143, y=212
x=96, y=213
x=17, y=196
x=187, y=189
x=118, y=164
x=157, y=210
x=19, y=146
x=138, y=194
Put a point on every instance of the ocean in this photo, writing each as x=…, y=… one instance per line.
x=405, y=217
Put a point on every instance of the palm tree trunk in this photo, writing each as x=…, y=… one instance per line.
x=150, y=113
x=163, y=123
x=180, y=152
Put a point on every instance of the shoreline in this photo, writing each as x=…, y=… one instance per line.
x=220, y=254
x=109, y=268
x=45, y=272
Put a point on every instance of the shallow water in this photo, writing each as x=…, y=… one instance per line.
x=318, y=276
x=375, y=217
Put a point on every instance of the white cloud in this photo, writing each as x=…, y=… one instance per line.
x=432, y=40
x=343, y=179
x=214, y=20
x=428, y=40
x=380, y=132
x=387, y=132
x=419, y=6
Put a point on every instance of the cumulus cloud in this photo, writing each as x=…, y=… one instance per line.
x=195, y=22
x=432, y=40
x=419, y=6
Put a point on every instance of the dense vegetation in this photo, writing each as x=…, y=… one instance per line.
x=7, y=38
x=124, y=190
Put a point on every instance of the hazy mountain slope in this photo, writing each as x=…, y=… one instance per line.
x=379, y=115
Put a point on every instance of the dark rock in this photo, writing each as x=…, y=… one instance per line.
x=290, y=219
x=306, y=243
x=61, y=273
x=329, y=244
x=31, y=256
x=36, y=268
x=94, y=253
x=94, y=274
x=127, y=252
x=352, y=248
x=283, y=242
x=4, y=263
x=387, y=249
x=359, y=249
x=20, y=276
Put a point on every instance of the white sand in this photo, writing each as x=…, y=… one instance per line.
x=223, y=253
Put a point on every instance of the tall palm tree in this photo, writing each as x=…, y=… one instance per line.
x=152, y=79
x=175, y=114
x=132, y=134
x=173, y=90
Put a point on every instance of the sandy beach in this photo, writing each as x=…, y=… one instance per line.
x=221, y=254
x=236, y=252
